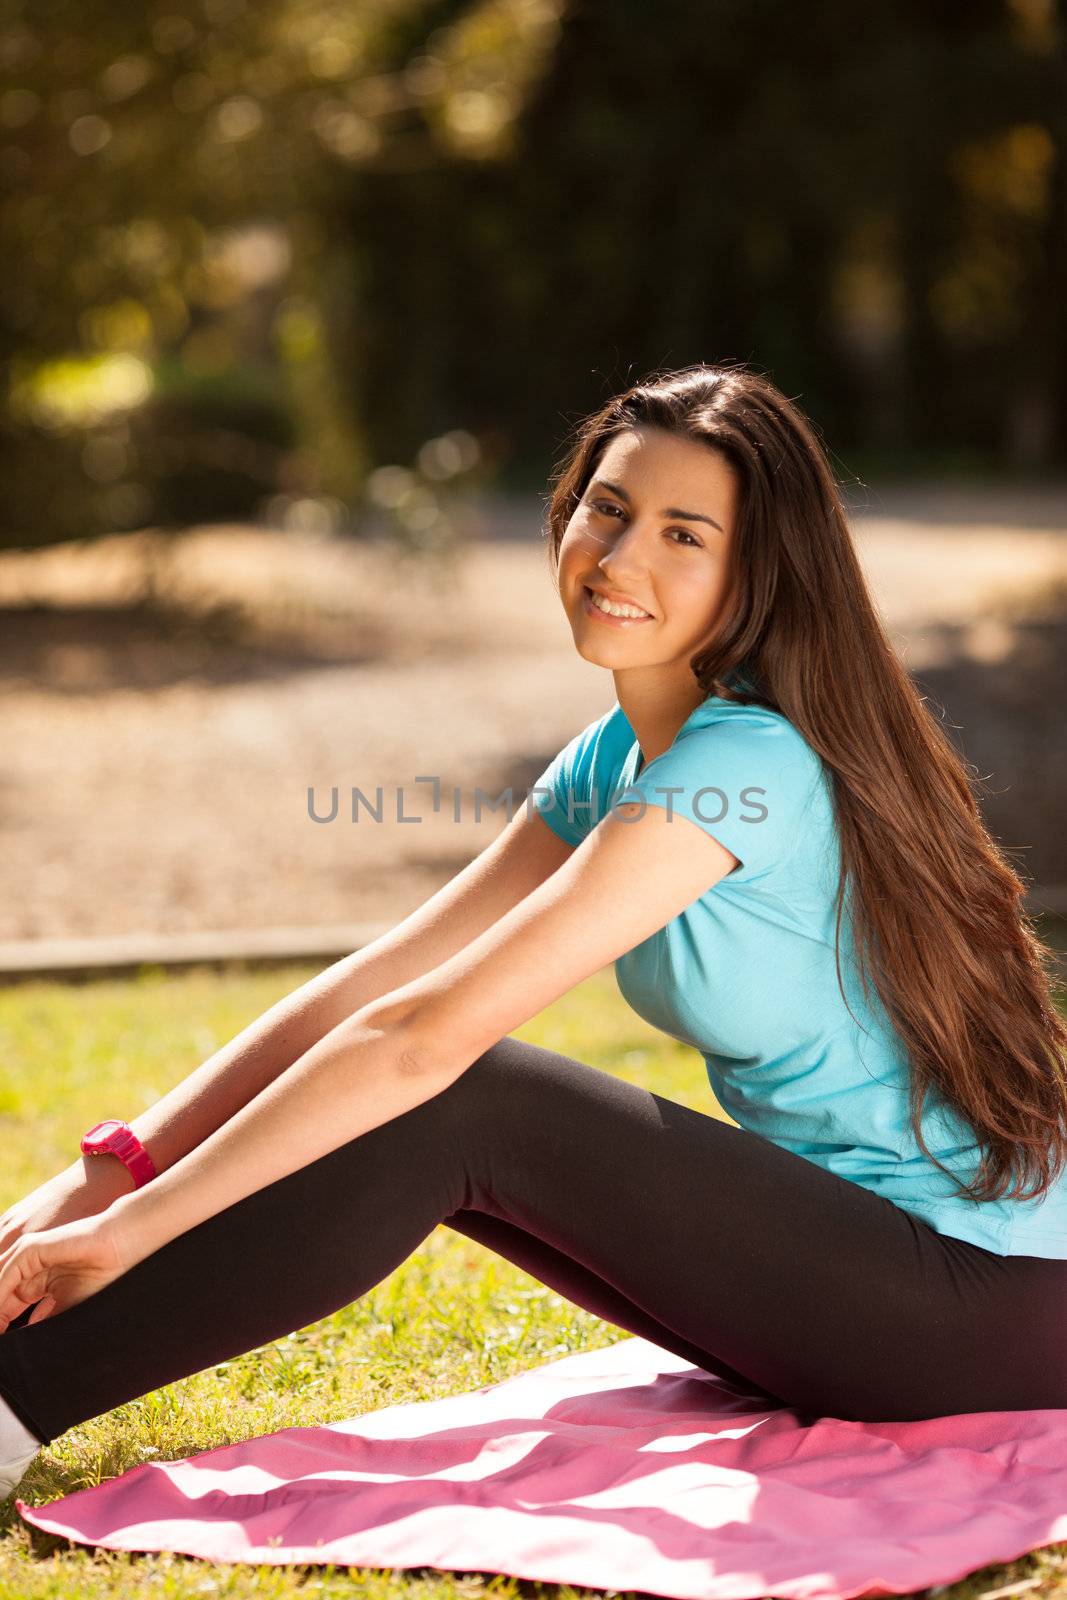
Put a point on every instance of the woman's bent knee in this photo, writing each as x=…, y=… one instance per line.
x=513, y=1076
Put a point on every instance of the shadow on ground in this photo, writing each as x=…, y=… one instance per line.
x=1006, y=717
x=83, y=650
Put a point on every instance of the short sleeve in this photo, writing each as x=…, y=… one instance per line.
x=747, y=780
x=572, y=793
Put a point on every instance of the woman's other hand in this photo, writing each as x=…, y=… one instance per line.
x=58, y=1268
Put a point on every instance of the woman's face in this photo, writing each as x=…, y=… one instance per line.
x=653, y=528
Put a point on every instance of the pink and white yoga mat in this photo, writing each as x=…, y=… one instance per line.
x=620, y=1468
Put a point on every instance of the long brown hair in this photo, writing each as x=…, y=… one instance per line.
x=936, y=911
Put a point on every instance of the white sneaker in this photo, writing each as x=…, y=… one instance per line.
x=13, y=1471
x=18, y=1446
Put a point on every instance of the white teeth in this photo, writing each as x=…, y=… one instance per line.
x=612, y=609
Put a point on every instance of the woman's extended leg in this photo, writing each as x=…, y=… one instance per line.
x=708, y=1238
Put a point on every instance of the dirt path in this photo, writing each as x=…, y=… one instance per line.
x=157, y=768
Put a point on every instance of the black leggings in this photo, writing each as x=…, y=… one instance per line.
x=708, y=1240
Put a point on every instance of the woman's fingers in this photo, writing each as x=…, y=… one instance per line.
x=13, y=1308
x=44, y=1309
x=23, y=1281
x=56, y=1269
x=14, y=1304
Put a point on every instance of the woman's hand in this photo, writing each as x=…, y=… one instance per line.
x=58, y=1268
x=83, y=1190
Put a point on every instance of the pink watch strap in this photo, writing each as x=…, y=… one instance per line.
x=121, y=1141
x=135, y=1156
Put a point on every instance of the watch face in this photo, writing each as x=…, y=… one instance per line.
x=98, y=1138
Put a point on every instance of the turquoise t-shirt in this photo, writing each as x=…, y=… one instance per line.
x=746, y=973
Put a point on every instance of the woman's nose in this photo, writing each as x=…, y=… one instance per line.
x=626, y=559
x=623, y=570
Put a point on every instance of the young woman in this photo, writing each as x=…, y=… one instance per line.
x=770, y=836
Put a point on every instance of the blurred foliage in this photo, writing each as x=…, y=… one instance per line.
x=180, y=284
x=870, y=204
x=258, y=253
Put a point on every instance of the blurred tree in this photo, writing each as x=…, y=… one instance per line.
x=179, y=300
x=869, y=204
x=257, y=250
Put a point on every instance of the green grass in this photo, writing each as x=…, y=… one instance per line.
x=454, y=1316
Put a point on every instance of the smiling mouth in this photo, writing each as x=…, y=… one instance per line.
x=590, y=597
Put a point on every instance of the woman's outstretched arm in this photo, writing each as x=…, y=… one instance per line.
x=522, y=855
x=627, y=879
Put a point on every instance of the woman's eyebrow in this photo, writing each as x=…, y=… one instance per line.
x=669, y=511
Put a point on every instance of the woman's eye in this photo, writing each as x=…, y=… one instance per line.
x=607, y=505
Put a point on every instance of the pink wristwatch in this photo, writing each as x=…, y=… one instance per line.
x=115, y=1138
